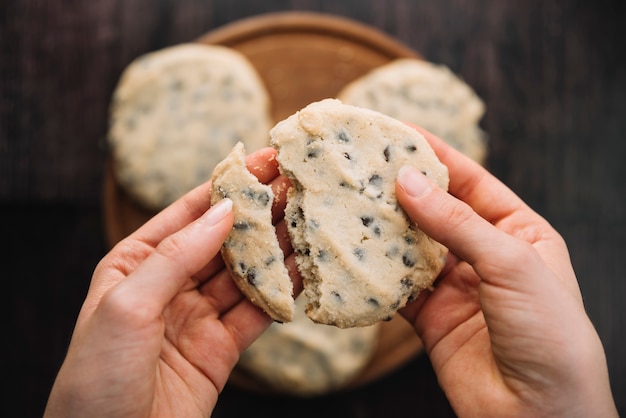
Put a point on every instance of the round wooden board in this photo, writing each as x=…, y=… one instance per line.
x=302, y=57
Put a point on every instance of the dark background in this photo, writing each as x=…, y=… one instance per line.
x=552, y=74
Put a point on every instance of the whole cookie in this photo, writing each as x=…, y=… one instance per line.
x=425, y=94
x=360, y=256
x=177, y=112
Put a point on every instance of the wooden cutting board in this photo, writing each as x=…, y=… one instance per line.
x=302, y=57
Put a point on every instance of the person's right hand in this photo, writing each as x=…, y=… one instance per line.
x=505, y=327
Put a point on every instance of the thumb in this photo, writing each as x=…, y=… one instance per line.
x=178, y=257
x=456, y=225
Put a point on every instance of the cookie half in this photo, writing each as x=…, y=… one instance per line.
x=360, y=256
x=251, y=251
x=177, y=112
x=426, y=94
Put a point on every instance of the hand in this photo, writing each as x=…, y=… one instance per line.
x=163, y=324
x=505, y=326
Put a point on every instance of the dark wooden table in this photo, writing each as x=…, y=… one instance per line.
x=552, y=74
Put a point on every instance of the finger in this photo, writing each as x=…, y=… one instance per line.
x=437, y=312
x=284, y=241
x=472, y=183
x=245, y=322
x=178, y=257
x=280, y=186
x=175, y=217
x=294, y=273
x=215, y=265
x=263, y=164
x=495, y=202
x=457, y=226
x=193, y=204
x=223, y=293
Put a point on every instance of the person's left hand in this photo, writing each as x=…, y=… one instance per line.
x=163, y=324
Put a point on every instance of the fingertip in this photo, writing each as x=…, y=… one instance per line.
x=263, y=164
x=413, y=182
x=218, y=212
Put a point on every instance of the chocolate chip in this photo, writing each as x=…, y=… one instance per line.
x=262, y=198
x=406, y=283
x=241, y=226
x=359, y=253
x=251, y=276
x=131, y=124
x=222, y=191
x=367, y=220
x=270, y=260
x=392, y=252
x=313, y=147
x=373, y=301
x=376, y=180
x=411, y=148
x=347, y=156
x=229, y=243
x=408, y=260
x=387, y=153
x=337, y=297
x=296, y=217
x=176, y=85
x=343, y=137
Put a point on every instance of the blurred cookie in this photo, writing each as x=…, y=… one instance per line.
x=360, y=256
x=425, y=94
x=304, y=358
x=177, y=112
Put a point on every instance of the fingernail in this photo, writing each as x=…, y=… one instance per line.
x=414, y=183
x=218, y=211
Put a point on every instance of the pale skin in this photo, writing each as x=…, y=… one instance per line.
x=163, y=324
x=505, y=328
